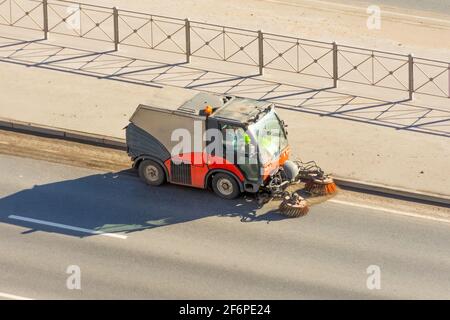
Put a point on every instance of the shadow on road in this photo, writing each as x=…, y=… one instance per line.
x=120, y=202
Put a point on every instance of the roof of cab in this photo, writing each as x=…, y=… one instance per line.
x=193, y=103
x=197, y=104
x=241, y=109
x=172, y=98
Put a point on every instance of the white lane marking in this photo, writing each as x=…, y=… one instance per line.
x=326, y=3
x=402, y=213
x=12, y=296
x=64, y=226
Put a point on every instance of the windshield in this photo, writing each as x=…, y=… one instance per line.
x=270, y=136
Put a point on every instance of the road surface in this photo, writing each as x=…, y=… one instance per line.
x=438, y=6
x=172, y=242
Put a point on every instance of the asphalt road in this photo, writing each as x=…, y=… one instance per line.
x=184, y=243
x=438, y=6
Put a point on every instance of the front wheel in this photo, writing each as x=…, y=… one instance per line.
x=225, y=186
x=151, y=173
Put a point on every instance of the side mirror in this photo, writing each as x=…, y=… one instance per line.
x=284, y=127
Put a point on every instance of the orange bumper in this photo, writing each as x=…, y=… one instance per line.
x=271, y=167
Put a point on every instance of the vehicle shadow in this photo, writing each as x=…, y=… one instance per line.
x=120, y=202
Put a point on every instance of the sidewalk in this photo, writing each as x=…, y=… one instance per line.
x=403, y=29
x=96, y=92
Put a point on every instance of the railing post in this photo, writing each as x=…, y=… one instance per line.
x=411, y=76
x=449, y=80
x=116, y=28
x=261, y=52
x=45, y=17
x=335, y=65
x=187, y=27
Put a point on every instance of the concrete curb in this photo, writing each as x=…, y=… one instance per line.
x=345, y=183
x=116, y=143
x=66, y=134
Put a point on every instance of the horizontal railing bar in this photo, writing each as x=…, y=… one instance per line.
x=255, y=36
x=152, y=48
x=128, y=12
x=83, y=7
x=95, y=10
x=79, y=3
x=432, y=65
x=80, y=36
x=217, y=59
x=193, y=22
x=302, y=73
x=295, y=38
x=371, y=84
x=153, y=17
x=28, y=28
x=301, y=44
x=371, y=50
x=417, y=60
x=375, y=56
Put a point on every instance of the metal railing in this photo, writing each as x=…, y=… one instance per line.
x=375, y=68
x=224, y=43
x=26, y=14
x=302, y=56
x=233, y=45
x=151, y=31
x=431, y=77
x=79, y=20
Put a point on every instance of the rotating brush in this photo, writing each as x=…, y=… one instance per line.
x=321, y=186
x=293, y=206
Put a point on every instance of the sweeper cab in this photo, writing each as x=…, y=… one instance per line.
x=228, y=144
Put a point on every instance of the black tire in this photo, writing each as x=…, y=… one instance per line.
x=151, y=173
x=225, y=186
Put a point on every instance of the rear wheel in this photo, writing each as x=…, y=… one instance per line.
x=225, y=186
x=151, y=173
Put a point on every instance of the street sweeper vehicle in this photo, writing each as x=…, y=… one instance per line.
x=225, y=143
